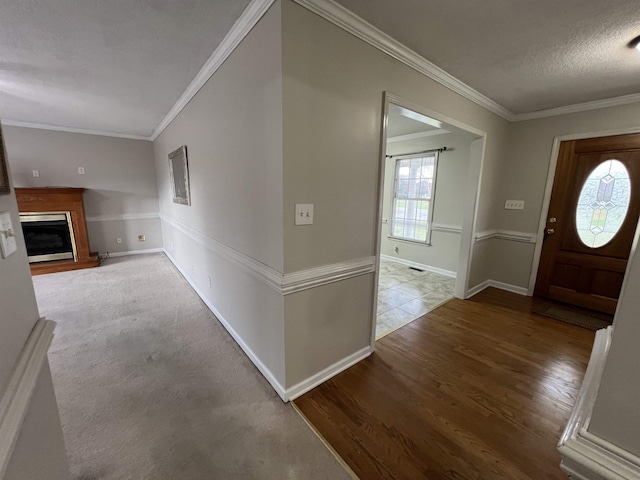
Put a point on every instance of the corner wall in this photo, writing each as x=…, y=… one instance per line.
x=39, y=448
x=524, y=175
x=333, y=99
x=121, y=200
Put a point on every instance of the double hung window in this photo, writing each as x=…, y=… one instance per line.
x=413, y=194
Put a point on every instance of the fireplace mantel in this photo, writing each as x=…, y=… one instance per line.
x=60, y=199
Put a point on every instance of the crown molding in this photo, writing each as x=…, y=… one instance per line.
x=579, y=107
x=349, y=21
x=251, y=15
x=84, y=131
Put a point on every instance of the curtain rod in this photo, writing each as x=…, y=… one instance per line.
x=439, y=150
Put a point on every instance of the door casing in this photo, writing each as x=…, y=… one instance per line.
x=471, y=201
x=553, y=163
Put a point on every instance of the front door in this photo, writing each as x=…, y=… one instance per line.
x=593, y=213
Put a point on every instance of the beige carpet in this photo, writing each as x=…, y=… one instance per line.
x=151, y=386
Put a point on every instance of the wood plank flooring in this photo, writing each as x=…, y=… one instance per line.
x=476, y=389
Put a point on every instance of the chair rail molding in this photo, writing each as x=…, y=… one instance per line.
x=584, y=455
x=523, y=237
x=283, y=283
x=16, y=398
x=121, y=216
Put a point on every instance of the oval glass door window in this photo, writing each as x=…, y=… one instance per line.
x=603, y=203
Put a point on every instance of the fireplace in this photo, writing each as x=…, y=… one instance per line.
x=48, y=236
x=55, y=229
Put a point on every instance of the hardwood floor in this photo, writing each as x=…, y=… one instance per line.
x=476, y=389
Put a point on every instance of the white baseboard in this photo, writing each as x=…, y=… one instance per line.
x=324, y=375
x=500, y=285
x=16, y=398
x=409, y=263
x=245, y=348
x=130, y=252
x=586, y=456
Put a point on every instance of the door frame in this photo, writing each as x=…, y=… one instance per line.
x=474, y=180
x=551, y=175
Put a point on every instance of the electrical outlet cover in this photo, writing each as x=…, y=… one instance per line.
x=8, y=243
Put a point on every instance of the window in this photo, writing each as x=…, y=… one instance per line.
x=413, y=193
x=603, y=203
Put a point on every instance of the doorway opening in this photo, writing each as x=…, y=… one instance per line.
x=430, y=170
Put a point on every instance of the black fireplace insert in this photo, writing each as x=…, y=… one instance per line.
x=49, y=236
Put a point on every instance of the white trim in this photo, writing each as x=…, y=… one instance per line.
x=315, y=277
x=16, y=398
x=121, y=216
x=329, y=372
x=285, y=284
x=507, y=287
x=510, y=235
x=250, y=16
x=579, y=107
x=413, y=136
x=586, y=456
x=350, y=22
x=551, y=175
x=441, y=227
x=471, y=202
x=264, y=370
x=258, y=270
x=441, y=271
x=130, y=252
x=84, y=131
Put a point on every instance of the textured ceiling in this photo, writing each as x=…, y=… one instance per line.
x=119, y=66
x=116, y=66
x=526, y=55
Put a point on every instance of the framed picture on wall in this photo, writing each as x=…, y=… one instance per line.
x=4, y=177
x=179, y=168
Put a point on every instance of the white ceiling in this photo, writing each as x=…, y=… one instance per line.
x=526, y=55
x=115, y=66
x=119, y=66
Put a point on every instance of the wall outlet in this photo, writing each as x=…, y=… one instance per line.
x=396, y=249
x=514, y=205
x=142, y=238
x=80, y=170
x=36, y=173
x=118, y=240
x=304, y=214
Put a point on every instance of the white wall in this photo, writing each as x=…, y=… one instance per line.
x=333, y=99
x=233, y=132
x=453, y=166
x=523, y=176
x=122, y=196
x=41, y=435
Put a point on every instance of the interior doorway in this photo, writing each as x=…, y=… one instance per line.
x=428, y=192
x=591, y=221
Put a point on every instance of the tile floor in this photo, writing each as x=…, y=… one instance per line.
x=405, y=294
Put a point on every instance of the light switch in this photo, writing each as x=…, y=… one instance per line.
x=304, y=214
x=8, y=243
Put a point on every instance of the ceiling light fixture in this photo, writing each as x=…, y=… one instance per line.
x=635, y=43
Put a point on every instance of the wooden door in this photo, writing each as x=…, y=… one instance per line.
x=593, y=213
